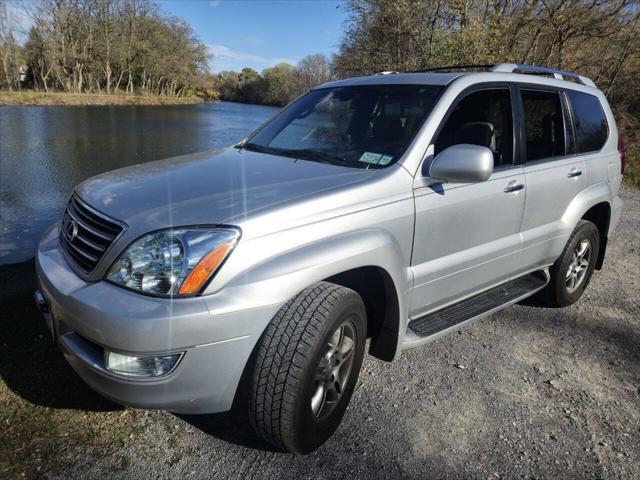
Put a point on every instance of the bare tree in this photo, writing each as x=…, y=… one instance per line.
x=105, y=45
x=311, y=71
x=9, y=49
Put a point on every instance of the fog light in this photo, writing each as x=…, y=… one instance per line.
x=141, y=366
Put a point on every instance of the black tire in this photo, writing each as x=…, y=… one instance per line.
x=557, y=293
x=288, y=357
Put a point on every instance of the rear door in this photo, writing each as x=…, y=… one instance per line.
x=554, y=173
x=467, y=235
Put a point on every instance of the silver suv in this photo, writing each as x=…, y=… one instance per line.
x=395, y=207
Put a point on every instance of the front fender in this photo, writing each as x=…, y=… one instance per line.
x=279, y=278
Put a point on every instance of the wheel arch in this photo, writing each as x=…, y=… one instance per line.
x=600, y=215
x=593, y=204
x=380, y=297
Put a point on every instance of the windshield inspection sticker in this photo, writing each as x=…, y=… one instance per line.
x=370, y=157
x=384, y=159
x=375, y=158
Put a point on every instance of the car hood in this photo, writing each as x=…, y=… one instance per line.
x=210, y=187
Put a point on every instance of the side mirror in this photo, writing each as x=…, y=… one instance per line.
x=462, y=163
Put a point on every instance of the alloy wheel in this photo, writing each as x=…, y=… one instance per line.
x=333, y=370
x=579, y=265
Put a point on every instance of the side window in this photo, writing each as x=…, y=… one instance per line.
x=543, y=124
x=589, y=120
x=481, y=118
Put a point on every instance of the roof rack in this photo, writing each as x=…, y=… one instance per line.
x=454, y=67
x=532, y=69
x=516, y=68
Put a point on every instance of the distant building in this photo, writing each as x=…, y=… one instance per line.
x=22, y=73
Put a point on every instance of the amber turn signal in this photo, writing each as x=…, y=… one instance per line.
x=204, y=269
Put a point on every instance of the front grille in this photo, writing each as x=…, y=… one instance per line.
x=86, y=234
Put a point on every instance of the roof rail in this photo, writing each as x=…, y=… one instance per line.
x=532, y=69
x=454, y=67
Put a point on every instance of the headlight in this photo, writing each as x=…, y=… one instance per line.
x=173, y=262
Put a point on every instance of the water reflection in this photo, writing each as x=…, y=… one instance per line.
x=46, y=151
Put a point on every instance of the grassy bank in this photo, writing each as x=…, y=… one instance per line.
x=59, y=98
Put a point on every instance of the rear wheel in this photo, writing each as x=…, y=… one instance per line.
x=307, y=366
x=572, y=271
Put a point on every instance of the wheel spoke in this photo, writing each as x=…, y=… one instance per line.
x=318, y=399
x=583, y=247
x=335, y=340
x=334, y=391
x=343, y=357
x=345, y=350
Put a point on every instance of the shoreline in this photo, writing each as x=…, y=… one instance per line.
x=53, y=99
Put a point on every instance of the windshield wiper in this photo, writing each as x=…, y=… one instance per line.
x=302, y=153
x=256, y=147
x=310, y=154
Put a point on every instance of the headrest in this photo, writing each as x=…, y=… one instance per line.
x=477, y=133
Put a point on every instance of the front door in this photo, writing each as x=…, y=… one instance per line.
x=467, y=236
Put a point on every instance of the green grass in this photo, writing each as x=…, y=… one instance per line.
x=29, y=97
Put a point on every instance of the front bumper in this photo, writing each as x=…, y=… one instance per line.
x=217, y=336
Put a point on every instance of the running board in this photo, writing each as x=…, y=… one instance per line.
x=479, y=305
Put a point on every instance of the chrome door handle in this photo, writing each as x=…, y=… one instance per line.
x=573, y=174
x=514, y=188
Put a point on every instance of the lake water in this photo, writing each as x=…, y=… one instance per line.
x=46, y=151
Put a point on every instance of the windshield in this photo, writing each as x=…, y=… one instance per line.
x=367, y=126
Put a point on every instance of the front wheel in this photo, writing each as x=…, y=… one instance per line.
x=307, y=366
x=572, y=271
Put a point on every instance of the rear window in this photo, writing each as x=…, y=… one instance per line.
x=589, y=120
x=543, y=124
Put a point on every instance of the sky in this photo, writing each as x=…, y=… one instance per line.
x=262, y=33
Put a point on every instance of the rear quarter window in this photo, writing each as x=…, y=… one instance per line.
x=589, y=121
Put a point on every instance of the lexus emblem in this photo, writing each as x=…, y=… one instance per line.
x=71, y=231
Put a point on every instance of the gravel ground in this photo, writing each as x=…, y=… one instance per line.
x=526, y=393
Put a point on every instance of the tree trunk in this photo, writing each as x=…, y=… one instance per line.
x=7, y=75
x=119, y=81
x=107, y=72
